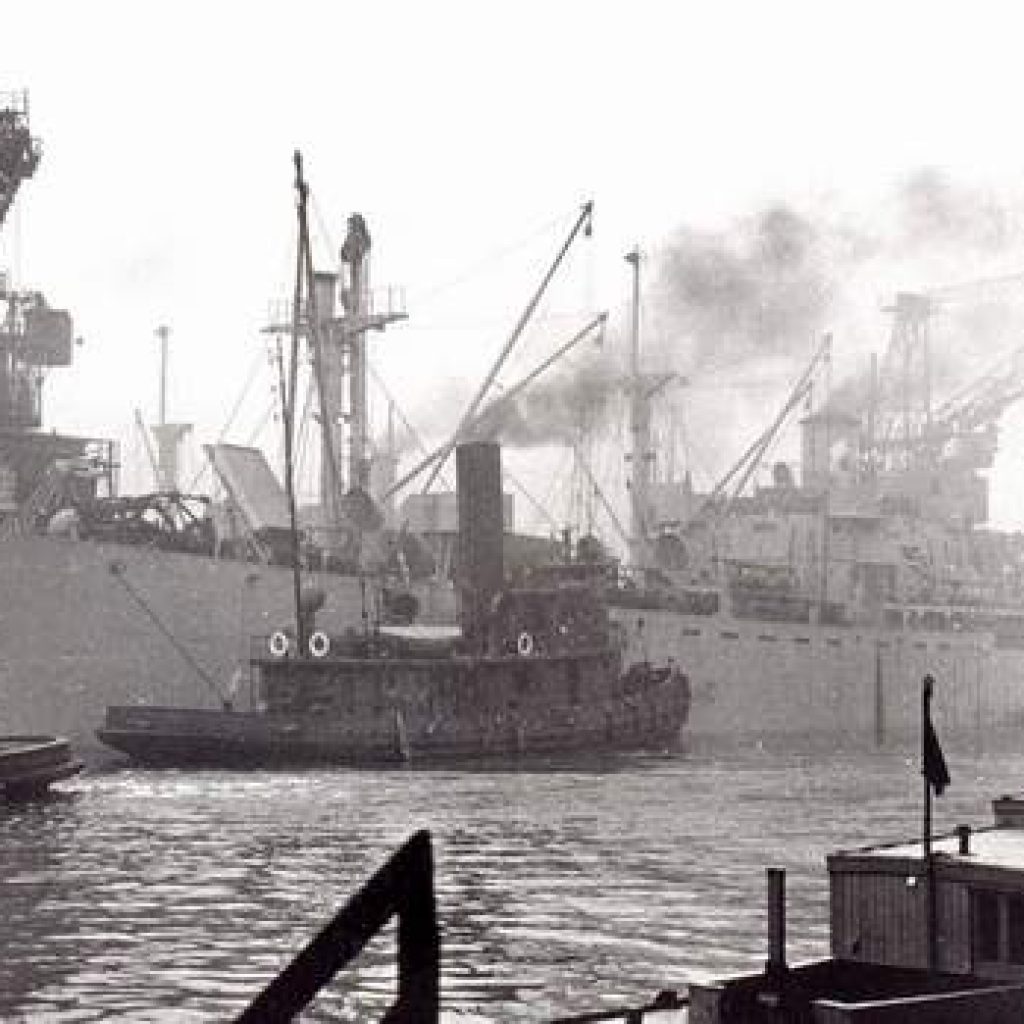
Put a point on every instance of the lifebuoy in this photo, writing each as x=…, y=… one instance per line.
x=524, y=645
x=319, y=644
x=278, y=644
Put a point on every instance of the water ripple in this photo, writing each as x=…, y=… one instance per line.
x=174, y=896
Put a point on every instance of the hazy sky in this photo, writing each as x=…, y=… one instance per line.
x=468, y=135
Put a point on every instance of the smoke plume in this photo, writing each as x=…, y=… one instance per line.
x=761, y=287
x=936, y=211
x=555, y=410
x=766, y=286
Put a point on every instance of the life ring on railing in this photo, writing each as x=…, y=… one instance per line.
x=524, y=645
x=319, y=644
x=278, y=644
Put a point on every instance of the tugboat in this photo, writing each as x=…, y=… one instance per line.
x=29, y=764
x=536, y=669
x=530, y=670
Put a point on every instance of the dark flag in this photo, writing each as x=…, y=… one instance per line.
x=934, y=769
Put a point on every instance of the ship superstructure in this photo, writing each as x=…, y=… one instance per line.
x=885, y=512
x=809, y=603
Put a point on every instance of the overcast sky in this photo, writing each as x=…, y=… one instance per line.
x=468, y=135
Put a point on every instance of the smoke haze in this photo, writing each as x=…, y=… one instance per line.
x=751, y=299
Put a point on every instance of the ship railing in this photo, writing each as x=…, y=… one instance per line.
x=388, y=300
x=386, y=303
x=404, y=887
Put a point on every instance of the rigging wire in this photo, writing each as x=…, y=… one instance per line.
x=494, y=256
x=537, y=505
x=117, y=570
x=269, y=412
x=416, y=436
x=321, y=224
x=692, y=452
x=305, y=446
x=254, y=369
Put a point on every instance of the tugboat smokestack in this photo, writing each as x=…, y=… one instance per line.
x=481, y=569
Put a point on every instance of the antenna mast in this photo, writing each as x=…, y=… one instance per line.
x=640, y=456
x=168, y=435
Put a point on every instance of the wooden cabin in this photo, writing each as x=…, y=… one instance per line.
x=887, y=965
x=879, y=903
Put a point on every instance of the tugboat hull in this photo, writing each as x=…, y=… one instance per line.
x=420, y=726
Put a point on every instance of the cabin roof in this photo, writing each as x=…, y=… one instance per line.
x=422, y=632
x=990, y=848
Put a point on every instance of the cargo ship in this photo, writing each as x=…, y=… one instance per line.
x=811, y=605
x=814, y=602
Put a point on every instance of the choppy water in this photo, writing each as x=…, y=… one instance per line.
x=167, y=896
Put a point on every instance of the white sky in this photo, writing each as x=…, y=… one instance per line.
x=165, y=190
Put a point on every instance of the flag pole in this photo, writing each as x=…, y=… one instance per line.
x=929, y=872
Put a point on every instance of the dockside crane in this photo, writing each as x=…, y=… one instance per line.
x=971, y=416
x=905, y=428
x=19, y=150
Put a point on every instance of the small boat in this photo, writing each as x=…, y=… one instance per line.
x=29, y=764
x=931, y=929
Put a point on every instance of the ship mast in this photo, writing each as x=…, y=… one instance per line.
x=342, y=368
x=288, y=393
x=640, y=455
x=355, y=300
x=338, y=349
x=168, y=435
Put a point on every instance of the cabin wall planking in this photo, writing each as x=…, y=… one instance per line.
x=880, y=917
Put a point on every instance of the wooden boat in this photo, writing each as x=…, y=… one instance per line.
x=531, y=670
x=29, y=764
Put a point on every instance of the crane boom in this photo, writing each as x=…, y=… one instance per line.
x=583, y=221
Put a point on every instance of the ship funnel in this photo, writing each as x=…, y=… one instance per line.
x=481, y=570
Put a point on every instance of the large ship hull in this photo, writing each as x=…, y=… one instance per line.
x=74, y=641
x=751, y=679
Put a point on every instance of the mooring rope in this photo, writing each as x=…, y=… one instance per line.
x=117, y=570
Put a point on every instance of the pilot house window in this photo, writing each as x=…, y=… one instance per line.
x=986, y=927
x=1015, y=929
x=998, y=929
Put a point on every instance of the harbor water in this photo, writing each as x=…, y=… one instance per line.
x=562, y=887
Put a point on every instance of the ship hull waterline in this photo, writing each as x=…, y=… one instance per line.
x=180, y=737
x=75, y=642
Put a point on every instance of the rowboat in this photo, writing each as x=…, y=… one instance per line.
x=29, y=764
